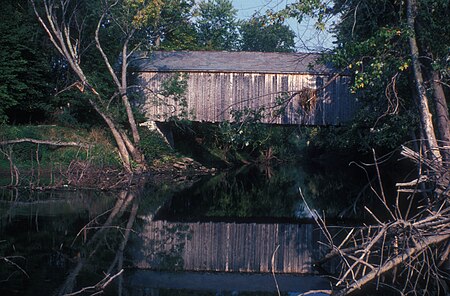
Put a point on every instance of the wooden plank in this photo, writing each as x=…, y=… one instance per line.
x=308, y=249
x=288, y=250
x=197, y=246
x=208, y=244
x=228, y=248
x=210, y=94
x=250, y=247
x=239, y=253
x=255, y=246
x=215, y=245
x=299, y=253
x=265, y=243
x=232, y=257
x=268, y=241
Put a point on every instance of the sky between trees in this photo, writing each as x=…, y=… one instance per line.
x=307, y=39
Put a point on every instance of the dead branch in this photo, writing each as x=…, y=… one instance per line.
x=94, y=242
x=8, y=260
x=390, y=264
x=100, y=286
x=407, y=254
x=44, y=142
x=273, y=269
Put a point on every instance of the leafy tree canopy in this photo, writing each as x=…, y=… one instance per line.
x=174, y=29
x=25, y=68
x=373, y=45
x=217, y=25
x=261, y=34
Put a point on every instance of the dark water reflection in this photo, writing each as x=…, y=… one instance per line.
x=61, y=241
x=260, y=194
x=37, y=231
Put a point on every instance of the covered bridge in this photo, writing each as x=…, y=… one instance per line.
x=215, y=86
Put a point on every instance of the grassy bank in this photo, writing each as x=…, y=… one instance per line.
x=93, y=161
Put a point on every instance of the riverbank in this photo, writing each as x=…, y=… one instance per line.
x=48, y=157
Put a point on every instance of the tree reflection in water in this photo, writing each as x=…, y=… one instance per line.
x=251, y=193
x=112, y=235
x=42, y=226
x=87, y=233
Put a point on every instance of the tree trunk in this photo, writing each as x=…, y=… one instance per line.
x=123, y=152
x=122, y=86
x=59, y=34
x=425, y=115
x=123, y=92
x=442, y=121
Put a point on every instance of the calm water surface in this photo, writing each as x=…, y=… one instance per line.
x=222, y=236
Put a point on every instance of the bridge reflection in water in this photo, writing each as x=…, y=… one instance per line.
x=229, y=247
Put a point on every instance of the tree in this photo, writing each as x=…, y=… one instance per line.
x=174, y=29
x=259, y=34
x=431, y=25
x=390, y=48
x=25, y=69
x=397, y=64
x=73, y=26
x=424, y=110
x=393, y=56
x=217, y=26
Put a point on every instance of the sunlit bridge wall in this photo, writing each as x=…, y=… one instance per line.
x=283, y=88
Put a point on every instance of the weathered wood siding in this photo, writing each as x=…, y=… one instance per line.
x=230, y=247
x=212, y=96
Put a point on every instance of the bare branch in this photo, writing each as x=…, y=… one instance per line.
x=102, y=52
x=45, y=142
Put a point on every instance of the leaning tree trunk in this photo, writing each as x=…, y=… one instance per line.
x=442, y=120
x=58, y=28
x=123, y=93
x=425, y=114
x=118, y=137
x=122, y=86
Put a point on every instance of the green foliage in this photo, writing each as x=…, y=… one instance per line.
x=174, y=89
x=386, y=136
x=174, y=28
x=260, y=34
x=272, y=191
x=316, y=9
x=264, y=142
x=217, y=26
x=153, y=146
x=245, y=142
x=25, y=155
x=373, y=46
x=433, y=35
x=24, y=66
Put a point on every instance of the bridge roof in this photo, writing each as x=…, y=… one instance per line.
x=223, y=61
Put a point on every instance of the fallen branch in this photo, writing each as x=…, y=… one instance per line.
x=100, y=286
x=273, y=269
x=9, y=261
x=44, y=142
x=407, y=252
x=392, y=263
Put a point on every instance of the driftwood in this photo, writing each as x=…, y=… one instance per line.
x=406, y=253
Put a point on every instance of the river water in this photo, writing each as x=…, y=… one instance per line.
x=244, y=231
